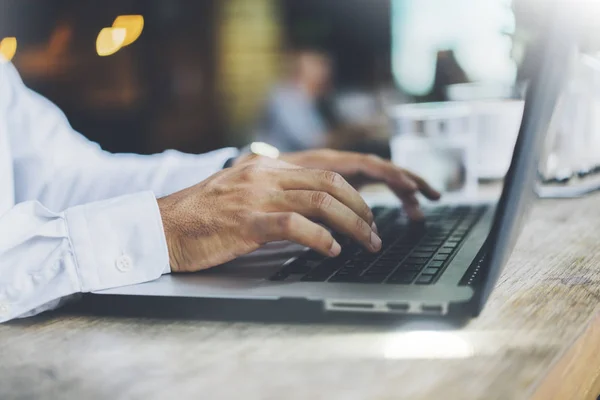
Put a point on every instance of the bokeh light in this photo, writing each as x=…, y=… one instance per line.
x=110, y=40
x=133, y=25
x=8, y=48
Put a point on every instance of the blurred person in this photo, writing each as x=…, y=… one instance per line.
x=292, y=120
x=75, y=218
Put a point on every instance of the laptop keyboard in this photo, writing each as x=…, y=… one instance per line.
x=412, y=253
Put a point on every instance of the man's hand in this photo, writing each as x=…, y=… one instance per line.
x=239, y=209
x=360, y=169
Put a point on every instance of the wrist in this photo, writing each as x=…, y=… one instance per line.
x=171, y=236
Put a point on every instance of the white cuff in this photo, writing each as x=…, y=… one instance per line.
x=118, y=242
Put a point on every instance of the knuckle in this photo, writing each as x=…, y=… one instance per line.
x=334, y=179
x=321, y=200
x=286, y=222
x=323, y=238
x=250, y=172
x=362, y=227
x=369, y=213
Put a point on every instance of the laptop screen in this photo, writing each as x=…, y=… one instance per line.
x=519, y=189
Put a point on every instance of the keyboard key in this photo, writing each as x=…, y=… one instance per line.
x=368, y=258
x=436, y=264
x=403, y=278
x=386, y=263
x=345, y=278
x=426, y=248
x=356, y=267
x=421, y=254
x=392, y=257
x=380, y=270
x=412, y=267
x=446, y=251
x=441, y=257
x=432, y=242
x=347, y=271
x=425, y=279
x=415, y=260
x=431, y=271
x=400, y=249
x=373, y=278
x=357, y=264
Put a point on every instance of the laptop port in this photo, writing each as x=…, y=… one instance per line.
x=432, y=309
x=399, y=306
x=353, y=305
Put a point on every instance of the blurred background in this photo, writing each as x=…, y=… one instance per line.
x=195, y=75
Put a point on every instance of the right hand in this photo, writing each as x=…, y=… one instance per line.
x=239, y=209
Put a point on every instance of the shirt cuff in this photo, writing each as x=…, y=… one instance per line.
x=118, y=242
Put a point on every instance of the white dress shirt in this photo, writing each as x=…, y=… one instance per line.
x=74, y=218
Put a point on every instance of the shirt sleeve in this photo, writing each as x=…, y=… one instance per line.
x=45, y=257
x=55, y=165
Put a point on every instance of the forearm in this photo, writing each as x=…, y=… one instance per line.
x=46, y=257
x=106, y=175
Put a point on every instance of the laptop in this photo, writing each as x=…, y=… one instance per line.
x=447, y=265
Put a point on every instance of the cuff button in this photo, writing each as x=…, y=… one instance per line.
x=124, y=263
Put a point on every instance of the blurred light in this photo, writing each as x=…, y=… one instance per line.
x=8, y=48
x=110, y=40
x=133, y=25
x=427, y=345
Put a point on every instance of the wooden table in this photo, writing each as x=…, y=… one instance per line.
x=539, y=337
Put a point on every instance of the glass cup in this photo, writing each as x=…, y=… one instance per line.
x=437, y=141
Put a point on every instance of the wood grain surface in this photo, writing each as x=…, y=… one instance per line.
x=538, y=337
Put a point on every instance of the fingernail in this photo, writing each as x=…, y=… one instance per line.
x=375, y=242
x=335, y=249
x=374, y=228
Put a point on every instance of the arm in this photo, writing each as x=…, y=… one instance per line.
x=55, y=165
x=46, y=257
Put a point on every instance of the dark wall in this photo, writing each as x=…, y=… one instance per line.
x=157, y=93
x=357, y=33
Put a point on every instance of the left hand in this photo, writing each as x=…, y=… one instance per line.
x=360, y=169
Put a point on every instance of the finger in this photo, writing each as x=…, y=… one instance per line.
x=381, y=170
x=424, y=187
x=272, y=227
x=327, y=209
x=397, y=178
x=325, y=181
x=411, y=206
